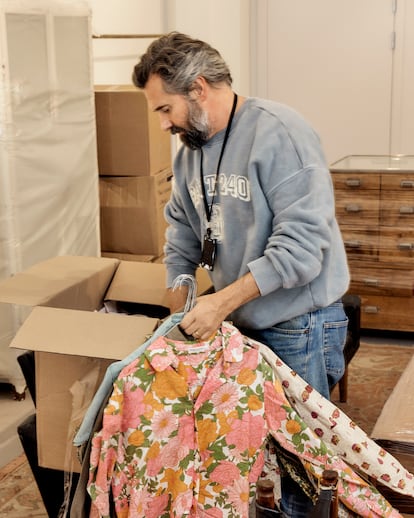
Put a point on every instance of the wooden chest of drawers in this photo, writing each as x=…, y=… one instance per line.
x=375, y=210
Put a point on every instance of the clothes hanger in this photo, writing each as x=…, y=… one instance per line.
x=176, y=332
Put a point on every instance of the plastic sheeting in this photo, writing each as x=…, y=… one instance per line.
x=49, y=198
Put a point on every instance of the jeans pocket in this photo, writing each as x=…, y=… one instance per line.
x=334, y=337
x=290, y=341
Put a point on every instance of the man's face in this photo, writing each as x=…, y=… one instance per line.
x=178, y=114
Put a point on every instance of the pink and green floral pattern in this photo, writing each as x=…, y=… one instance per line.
x=185, y=429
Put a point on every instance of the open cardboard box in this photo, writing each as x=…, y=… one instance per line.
x=73, y=341
x=394, y=428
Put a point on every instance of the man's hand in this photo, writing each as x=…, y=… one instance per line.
x=205, y=318
x=210, y=310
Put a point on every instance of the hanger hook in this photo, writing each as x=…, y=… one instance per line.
x=190, y=280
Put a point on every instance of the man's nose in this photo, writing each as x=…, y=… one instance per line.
x=165, y=123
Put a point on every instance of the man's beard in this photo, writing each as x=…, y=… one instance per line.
x=197, y=132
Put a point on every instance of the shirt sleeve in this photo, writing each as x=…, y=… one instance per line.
x=299, y=416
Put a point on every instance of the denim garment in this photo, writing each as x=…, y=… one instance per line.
x=312, y=345
x=111, y=374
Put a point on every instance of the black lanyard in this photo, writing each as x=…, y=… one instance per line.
x=209, y=208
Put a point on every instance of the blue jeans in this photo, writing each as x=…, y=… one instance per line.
x=312, y=345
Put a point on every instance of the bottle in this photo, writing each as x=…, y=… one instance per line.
x=329, y=481
x=265, y=496
x=327, y=503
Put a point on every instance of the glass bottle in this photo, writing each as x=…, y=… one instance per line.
x=329, y=481
x=265, y=493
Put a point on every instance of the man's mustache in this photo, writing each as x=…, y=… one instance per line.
x=192, y=138
x=177, y=129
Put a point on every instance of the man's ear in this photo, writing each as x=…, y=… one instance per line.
x=199, y=89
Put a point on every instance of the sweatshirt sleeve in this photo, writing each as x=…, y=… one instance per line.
x=303, y=216
x=182, y=249
x=291, y=170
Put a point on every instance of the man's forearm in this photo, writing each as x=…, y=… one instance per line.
x=238, y=293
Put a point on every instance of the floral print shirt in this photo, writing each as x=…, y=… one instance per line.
x=185, y=429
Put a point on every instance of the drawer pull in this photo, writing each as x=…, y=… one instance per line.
x=353, y=182
x=371, y=309
x=406, y=210
x=407, y=184
x=371, y=282
x=353, y=207
x=405, y=246
x=353, y=244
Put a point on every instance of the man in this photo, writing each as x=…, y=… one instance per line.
x=253, y=203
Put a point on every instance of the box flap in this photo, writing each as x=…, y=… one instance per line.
x=142, y=258
x=139, y=282
x=145, y=283
x=396, y=421
x=83, y=333
x=65, y=281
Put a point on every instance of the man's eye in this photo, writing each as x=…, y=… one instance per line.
x=166, y=109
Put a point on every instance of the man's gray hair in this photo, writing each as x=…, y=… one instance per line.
x=179, y=59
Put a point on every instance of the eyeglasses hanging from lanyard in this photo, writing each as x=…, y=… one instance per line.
x=208, y=253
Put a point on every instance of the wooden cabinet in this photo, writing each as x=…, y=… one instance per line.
x=375, y=210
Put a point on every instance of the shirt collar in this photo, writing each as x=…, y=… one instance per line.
x=161, y=353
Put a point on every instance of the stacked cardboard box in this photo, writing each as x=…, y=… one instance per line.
x=134, y=160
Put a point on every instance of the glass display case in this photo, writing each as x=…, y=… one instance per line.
x=377, y=163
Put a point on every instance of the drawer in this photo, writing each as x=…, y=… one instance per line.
x=360, y=243
x=356, y=181
x=381, y=281
x=402, y=182
x=362, y=208
x=397, y=208
x=396, y=244
x=388, y=313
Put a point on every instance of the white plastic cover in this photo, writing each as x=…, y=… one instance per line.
x=49, y=198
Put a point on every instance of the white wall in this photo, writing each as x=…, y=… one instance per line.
x=224, y=24
x=402, y=122
x=333, y=64
x=114, y=58
x=329, y=59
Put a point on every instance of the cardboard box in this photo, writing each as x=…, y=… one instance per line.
x=132, y=213
x=394, y=428
x=141, y=258
x=73, y=343
x=129, y=137
x=159, y=259
x=394, y=431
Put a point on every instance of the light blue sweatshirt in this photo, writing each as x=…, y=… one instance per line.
x=273, y=215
